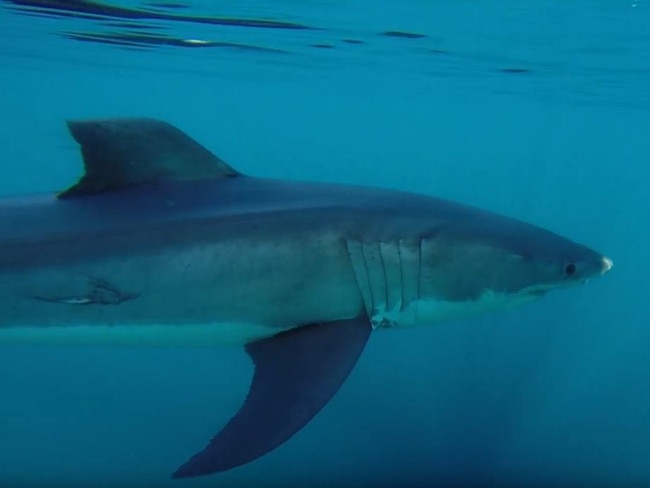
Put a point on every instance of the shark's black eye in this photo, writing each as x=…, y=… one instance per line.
x=570, y=269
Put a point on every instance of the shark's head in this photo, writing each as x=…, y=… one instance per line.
x=475, y=265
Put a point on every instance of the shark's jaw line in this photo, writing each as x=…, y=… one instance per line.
x=138, y=335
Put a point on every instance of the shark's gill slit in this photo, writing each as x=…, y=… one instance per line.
x=418, y=295
x=403, y=302
x=355, y=254
x=382, y=268
x=366, y=270
x=377, y=280
x=393, y=274
x=410, y=264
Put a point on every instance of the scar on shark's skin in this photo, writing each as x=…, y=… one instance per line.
x=101, y=293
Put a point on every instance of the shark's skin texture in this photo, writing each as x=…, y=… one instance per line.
x=162, y=243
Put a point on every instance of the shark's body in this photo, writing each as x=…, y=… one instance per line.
x=162, y=243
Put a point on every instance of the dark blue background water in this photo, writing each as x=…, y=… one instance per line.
x=540, y=110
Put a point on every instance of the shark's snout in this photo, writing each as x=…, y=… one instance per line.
x=606, y=265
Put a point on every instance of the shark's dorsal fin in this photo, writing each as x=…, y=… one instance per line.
x=122, y=152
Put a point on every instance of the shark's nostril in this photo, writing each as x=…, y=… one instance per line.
x=607, y=264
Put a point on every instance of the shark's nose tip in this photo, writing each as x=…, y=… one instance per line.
x=606, y=265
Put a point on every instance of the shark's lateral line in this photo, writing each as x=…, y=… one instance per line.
x=161, y=242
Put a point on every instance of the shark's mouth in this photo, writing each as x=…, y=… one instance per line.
x=541, y=290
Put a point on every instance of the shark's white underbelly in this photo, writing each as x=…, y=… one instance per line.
x=157, y=335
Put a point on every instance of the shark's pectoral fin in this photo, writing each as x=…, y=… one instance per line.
x=296, y=374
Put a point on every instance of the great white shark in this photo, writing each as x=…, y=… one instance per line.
x=163, y=243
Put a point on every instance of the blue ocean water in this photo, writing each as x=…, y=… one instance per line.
x=539, y=110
